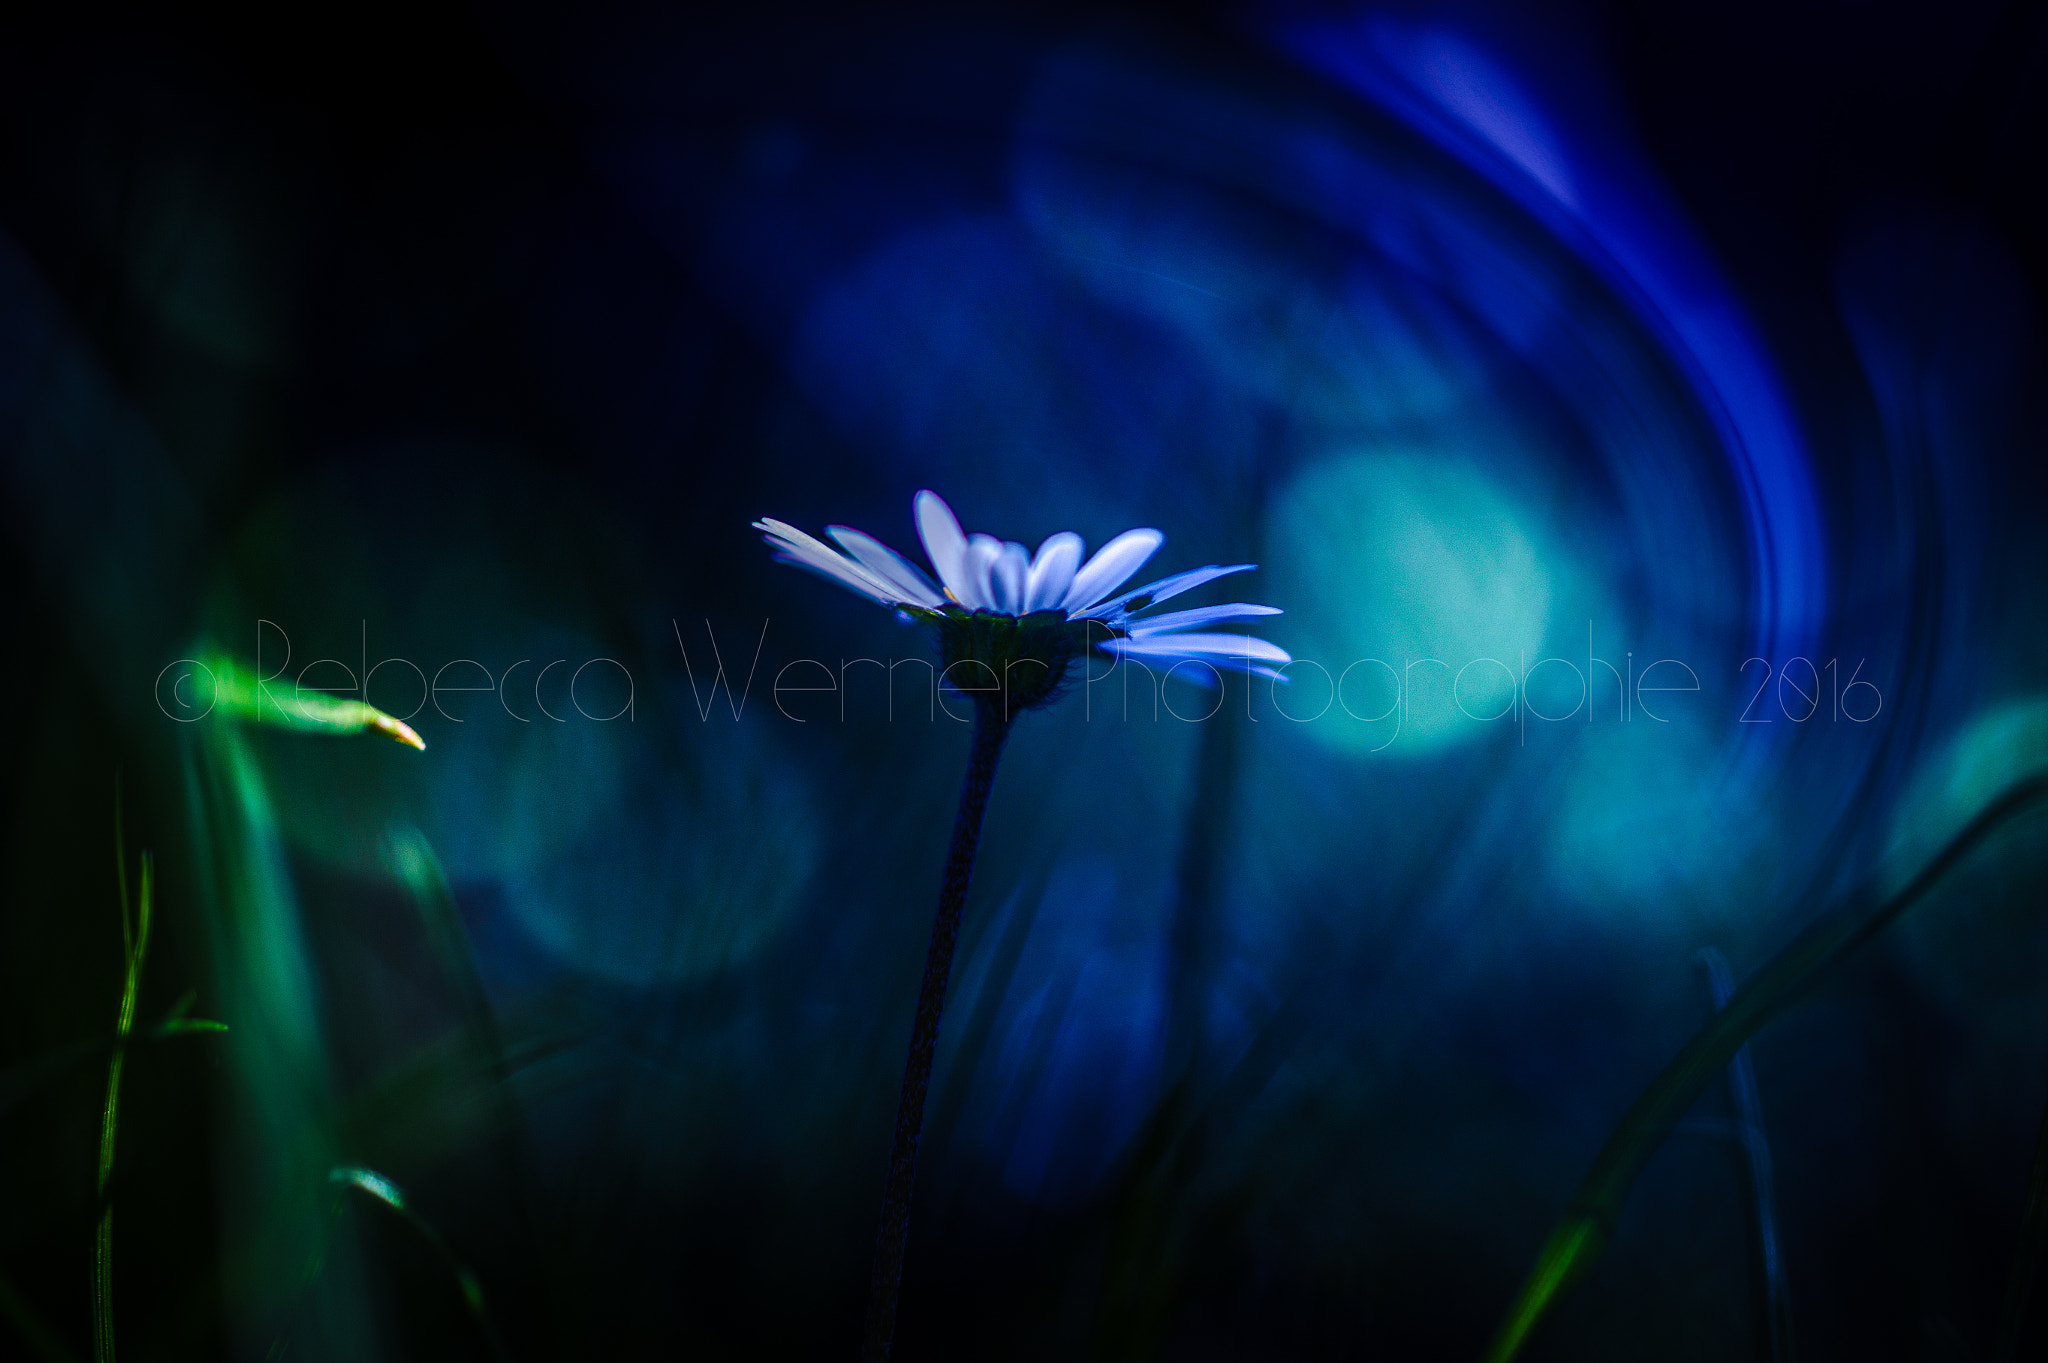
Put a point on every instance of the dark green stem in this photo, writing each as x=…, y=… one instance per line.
x=991, y=728
x=137, y=945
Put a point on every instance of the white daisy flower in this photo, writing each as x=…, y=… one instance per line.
x=998, y=603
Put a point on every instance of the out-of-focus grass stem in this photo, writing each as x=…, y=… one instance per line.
x=413, y=858
x=1756, y=1149
x=386, y=1194
x=135, y=944
x=1589, y=1220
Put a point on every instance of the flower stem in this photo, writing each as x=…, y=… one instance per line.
x=991, y=728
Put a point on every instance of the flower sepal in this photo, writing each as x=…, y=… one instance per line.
x=1013, y=662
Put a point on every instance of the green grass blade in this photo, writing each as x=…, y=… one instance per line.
x=103, y=1288
x=1572, y=1247
x=1589, y=1220
x=381, y=1190
x=412, y=858
x=239, y=693
x=185, y=1027
x=103, y=1240
x=372, y=1184
x=278, y=1083
x=110, y=1115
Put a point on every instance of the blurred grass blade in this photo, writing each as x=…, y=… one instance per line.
x=2026, y=1260
x=385, y=1193
x=240, y=694
x=137, y=949
x=371, y=1182
x=411, y=857
x=1756, y=1149
x=279, y=1089
x=186, y=1027
x=1589, y=1220
x=121, y=873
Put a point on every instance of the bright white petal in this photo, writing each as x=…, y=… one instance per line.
x=891, y=567
x=1008, y=576
x=1197, y=675
x=1052, y=572
x=978, y=573
x=1112, y=566
x=1165, y=588
x=1202, y=615
x=802, y=547
x=1213, y=646
x=840, y=572
x=792, y=545
x=945, y=544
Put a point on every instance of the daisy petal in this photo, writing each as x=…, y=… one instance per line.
x=891, y=567
x=843, y=575
x=1198, y=675
x=1212, y=646
x=1008, y=576
x=1111, y=567
x=945, y=544
x=792, y=545
x=1166, y=587
x=801, y=546
x=977, y=571
x=1203, y=615
x=1052, y=572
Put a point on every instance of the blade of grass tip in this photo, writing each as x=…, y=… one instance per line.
x=387, y=1194
x=2026, y=1259
x=103, y=1241
x=175, y=1023
x=183, y=1027
x=1756, y=1148
x=1589, y=1219
x=240, y=694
